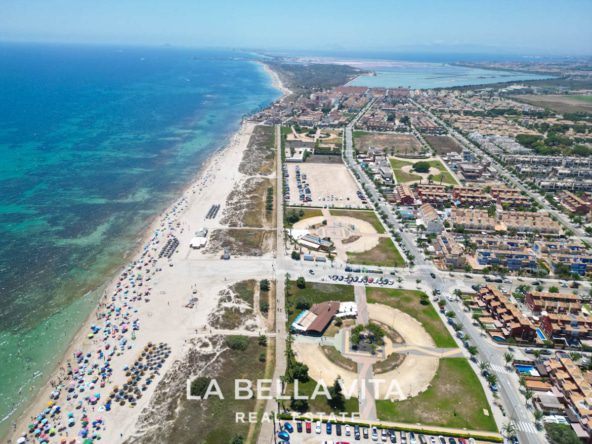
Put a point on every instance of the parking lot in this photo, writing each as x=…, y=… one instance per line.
x=321, y=185
x=324, y=433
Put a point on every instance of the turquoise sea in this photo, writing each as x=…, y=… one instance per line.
x=436, y=75
x=95, y=142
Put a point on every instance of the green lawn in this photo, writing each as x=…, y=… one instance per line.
x=409, y=302
x=367, y=216
x=402, y=177
x=314, y=293
x=444, y=176
x=587, y=99
x=455, y=398
x=302, y=212
x=385, y=254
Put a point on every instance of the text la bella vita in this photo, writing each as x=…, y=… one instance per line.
x=263, y=389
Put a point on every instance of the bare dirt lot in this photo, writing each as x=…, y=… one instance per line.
x=443, y=144
x=560, y=104
x=392, y=143
x=330, y=184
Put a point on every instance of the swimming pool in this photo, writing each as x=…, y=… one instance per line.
x=540, y=334
x=526, y=370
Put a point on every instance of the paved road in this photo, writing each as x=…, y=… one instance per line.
x=503, y=172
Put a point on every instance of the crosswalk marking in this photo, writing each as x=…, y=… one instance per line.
x=500, y=369
x=524, y=426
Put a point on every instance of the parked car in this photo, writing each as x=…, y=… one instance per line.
x=318, y=428
x=308, y=426
x=299, y=426
x=288, y=427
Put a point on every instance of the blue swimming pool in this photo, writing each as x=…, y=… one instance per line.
x=540, y=334
x=524, y=369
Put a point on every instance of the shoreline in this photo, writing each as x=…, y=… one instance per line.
x=203, y=181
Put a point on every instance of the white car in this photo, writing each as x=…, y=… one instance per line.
x=374, y=434
x=318, y=428
x=347, y=430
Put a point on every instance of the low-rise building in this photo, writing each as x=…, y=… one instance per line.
x=510, y=259
x=473, y=219
x=512, y=322
x=403, y=195
x=576, y=392
x=433, y=194
x=566, y=328
x=529, y=222
x=574, y=204
x=539, y=302
x=450, y=250
x=429, y=218
x=471, y=196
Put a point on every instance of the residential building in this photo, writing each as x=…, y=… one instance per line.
x=529, y=222
x=450, y=250
x=473, y=219
x=576, y=392
x=574, y=204
x=539, y=302
x=511, y=321
x=510, y=259
x=403, y=195
x=566, y=328
x=429, y=218
x=433, y=194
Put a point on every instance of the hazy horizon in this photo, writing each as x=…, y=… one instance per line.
x=521, y=28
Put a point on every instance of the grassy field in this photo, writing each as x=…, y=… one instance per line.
x=385, y=253
x=409, y=301
x=560, y=103
x=443, y=144
x=337, y=358
x=303, y=213
x=232, y=317
x=367, y=216
x=314, y=293
x=444, y=177
x=403, y=177
x=454, y=399
x=393, y=144
x=400, y=175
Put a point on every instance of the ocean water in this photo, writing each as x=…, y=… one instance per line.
x=436, y=75
x=95, y=142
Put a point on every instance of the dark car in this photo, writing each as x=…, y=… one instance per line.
x=329, y=428
x=433, y=275
x=451, y=440
x=298, y=426
x=288, y=427
x=365, y=432
x=338, y=429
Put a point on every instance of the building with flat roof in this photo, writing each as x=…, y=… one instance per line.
x=450, y=250
x=513, y=260
x=529, y=222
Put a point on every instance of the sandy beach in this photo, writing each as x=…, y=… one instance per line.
x=143, y=318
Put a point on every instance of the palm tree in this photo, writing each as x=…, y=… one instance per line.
x=528, y=394
x=537, y=353
x=509, y=357
x=484, y=366
x=492, y=379
x=473, y=350
x=538, y=415
x=509, y=430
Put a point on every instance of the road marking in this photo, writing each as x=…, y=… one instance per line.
x=500, y=369
x=526, y=427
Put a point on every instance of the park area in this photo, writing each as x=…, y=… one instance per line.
x=422, y=170
x=392, y=143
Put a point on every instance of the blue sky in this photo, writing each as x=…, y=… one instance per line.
x=501, y=26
